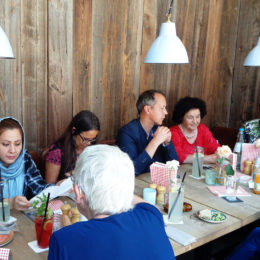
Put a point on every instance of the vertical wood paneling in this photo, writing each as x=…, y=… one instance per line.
x=131, y=42
x=60, y=66
x=33, y=59
x=82, y=66
x=10, y=70
x=245, y=103
x=73, y=55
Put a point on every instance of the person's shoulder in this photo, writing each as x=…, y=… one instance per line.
x=147, y=207
x=203, y=127
x=174, y=128
x=131, y=126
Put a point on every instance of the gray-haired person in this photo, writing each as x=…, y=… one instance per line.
x=120, y=225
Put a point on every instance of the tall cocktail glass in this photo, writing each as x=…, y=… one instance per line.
x=176, y=216
x=197, y=163
x=43, y=230
x=4, y=200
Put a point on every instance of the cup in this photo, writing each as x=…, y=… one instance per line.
x=4, y=200
x=210, y=177
x=176, y=216
x=43, y=230
x=149, y=195
x=197, y=163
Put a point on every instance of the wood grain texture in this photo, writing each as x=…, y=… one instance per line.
x=10, y=70
x=60, y=68
x=82, y=65
x=75, y=55
x=245, y=100
x=34, y=72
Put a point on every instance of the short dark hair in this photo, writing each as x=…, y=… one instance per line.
x=147, y=98
x=184, y=105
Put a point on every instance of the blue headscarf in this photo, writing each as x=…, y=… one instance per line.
x=14, y=173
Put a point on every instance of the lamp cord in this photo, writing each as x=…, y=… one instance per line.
x=170, y=9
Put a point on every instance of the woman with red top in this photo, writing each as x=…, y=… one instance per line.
x=187, y=114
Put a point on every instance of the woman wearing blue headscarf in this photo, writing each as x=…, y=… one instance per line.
x=17, y=166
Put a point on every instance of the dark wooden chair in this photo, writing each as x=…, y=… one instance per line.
x=225, y=135
x=39, y=160
x=109, y=142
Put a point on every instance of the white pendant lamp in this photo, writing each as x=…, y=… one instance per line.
x=6, y=51
x=167, y=48
x=253, y=57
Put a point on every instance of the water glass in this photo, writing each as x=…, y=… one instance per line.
x=149, y=195
x=210, y=177
x=176, y=216
x=197, y=164
x=4, y=200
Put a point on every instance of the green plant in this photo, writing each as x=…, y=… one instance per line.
x=229, y=170
x=39, y=206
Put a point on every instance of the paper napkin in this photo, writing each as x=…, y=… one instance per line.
x=4, y=253
x=34, y=246
x=220, y=191
x=179, y=236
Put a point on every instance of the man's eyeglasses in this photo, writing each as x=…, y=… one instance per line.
x=86, y=140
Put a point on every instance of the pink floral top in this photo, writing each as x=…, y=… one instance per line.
x=54, y=155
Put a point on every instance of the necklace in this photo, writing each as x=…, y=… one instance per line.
x=189, y=136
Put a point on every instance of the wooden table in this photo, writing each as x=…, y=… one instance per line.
x=26, y=233
x=197, y=194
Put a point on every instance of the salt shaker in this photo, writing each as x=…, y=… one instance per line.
x=160, y=195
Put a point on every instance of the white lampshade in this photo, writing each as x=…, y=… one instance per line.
x=167, y=48
x=6, y=51
x=253, y=58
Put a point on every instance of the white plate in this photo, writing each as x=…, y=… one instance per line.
x=211, y=220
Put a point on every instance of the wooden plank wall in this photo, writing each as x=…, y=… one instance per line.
x=83, y=54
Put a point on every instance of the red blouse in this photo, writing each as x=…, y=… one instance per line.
x=184, y=148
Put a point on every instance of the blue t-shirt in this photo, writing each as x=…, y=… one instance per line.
x=136, y=234
x=132, y=139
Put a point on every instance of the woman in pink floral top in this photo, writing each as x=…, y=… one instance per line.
x=61, y=157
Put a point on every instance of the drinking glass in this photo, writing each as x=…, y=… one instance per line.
x=149, y=195
x=210, y=177
x=4, y=200
x=43, y=230
x=176, y=216
x=197, y=163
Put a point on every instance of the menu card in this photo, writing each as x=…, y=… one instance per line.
x=249, y=152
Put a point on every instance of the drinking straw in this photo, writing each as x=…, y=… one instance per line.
x=44, y=217
x=178, y=195
x=197, y=157
x=2, y=199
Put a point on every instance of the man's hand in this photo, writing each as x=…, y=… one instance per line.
x=162, y=135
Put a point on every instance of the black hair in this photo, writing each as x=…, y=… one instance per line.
x=83, y=121
x=184, y=105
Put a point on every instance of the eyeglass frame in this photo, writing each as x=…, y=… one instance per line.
x=86, y=140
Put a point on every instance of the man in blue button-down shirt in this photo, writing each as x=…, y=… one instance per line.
x=145, y=139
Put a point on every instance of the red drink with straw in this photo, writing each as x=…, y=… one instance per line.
x=43, y=220
x=43, y=230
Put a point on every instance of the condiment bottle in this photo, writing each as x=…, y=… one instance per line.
x=160, y=195
x=248, y=167
x=153, y=186
x=75, y=215
x=257, y=183
x=65, y=214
